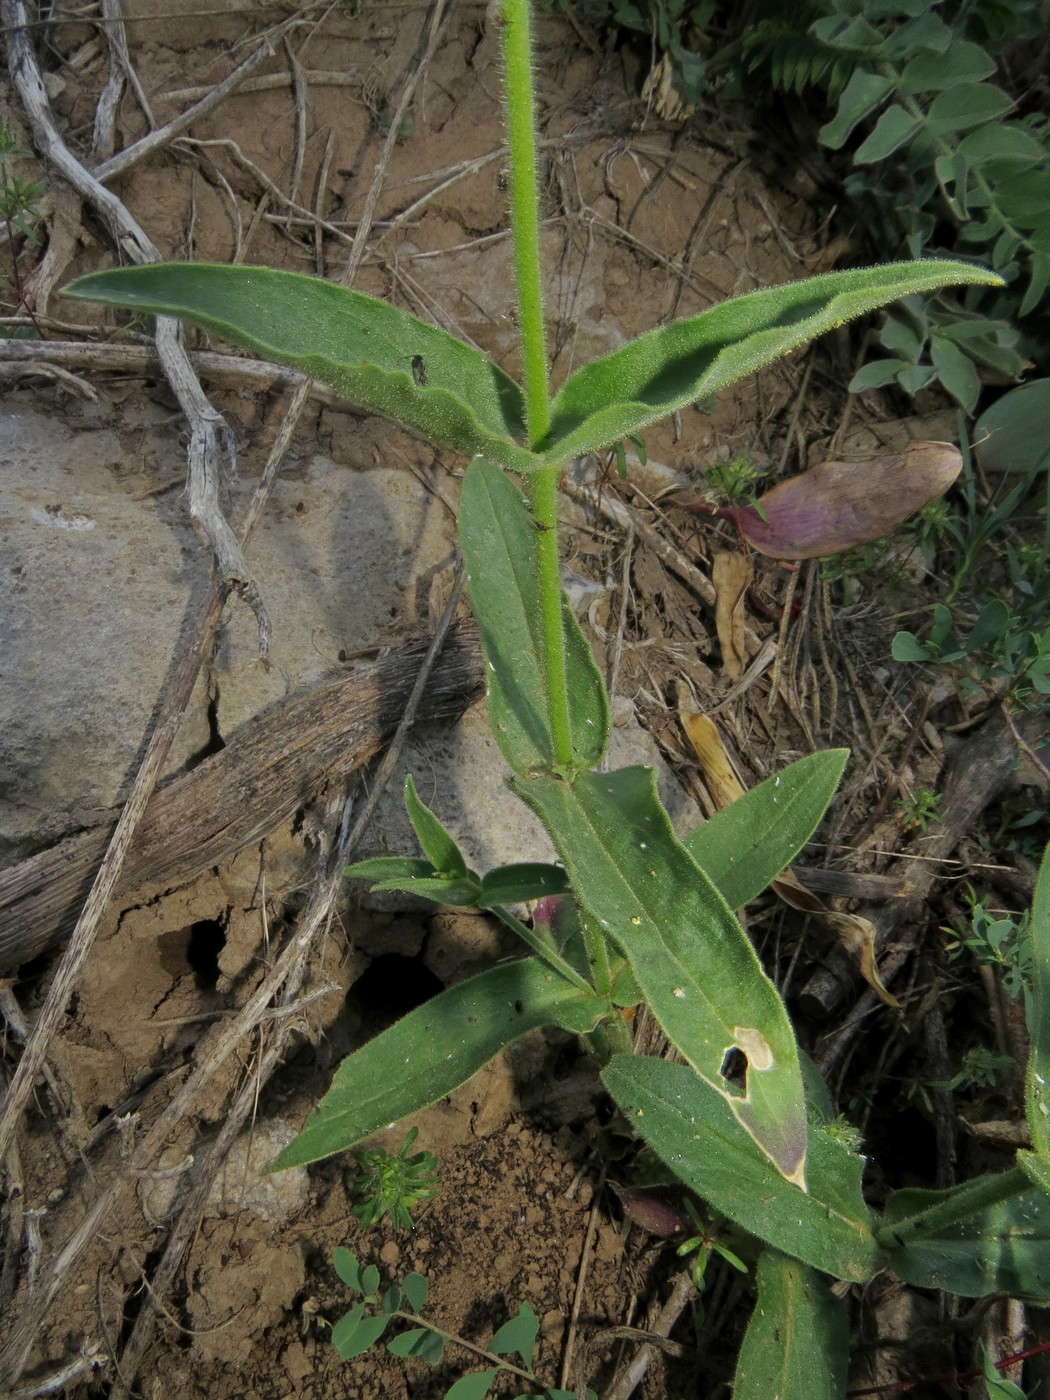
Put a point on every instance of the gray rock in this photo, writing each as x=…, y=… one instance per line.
x=101, y=576
x=94, y=591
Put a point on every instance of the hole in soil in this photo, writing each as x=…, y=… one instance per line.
x=902, y=1139
x=734, y=1071
x=215, y=742
x=28, y=972
x=389, y=988
x=207, y=940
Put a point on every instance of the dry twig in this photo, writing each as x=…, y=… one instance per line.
x=163, y=135
x=682, y=1294
x=140, y=360
x=978, y=772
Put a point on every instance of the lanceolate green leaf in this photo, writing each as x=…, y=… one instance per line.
x=419, y=1341
x=963, y=62
x=439, y=846
x=966, y=106
x=892, y=129
x=691, y=1128
x=473, y=1386
x=348, y=1268
x=690, y=957
x=434, y=1050
x=673, y=366
x=441, y=889
x=1038, y=1083
x=355, y=1334
x=796, y=1346
x=498, y=538
x=374, y=354
x=1010, y=145
x=519, y=1334
x=749, y=843
x=515, y=884
x=863, y=93
x=404, y=868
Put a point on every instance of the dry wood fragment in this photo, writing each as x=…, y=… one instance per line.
x=268, y=82
x=270, y=767
x=731, y=574
x=627, y=1382
x=849, y=884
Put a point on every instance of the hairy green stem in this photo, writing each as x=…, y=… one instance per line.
x=524, y=213
x=964, y=1202
x=543, y=484
x=612, y=1036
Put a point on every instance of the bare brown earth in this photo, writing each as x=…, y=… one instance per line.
x=645, y=220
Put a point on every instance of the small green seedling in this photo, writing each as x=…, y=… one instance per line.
x=391, y=1186
x=1003, y=647
x=981, y=1068
x=619, y=454
x=996, y=939
x=734, y=480
x=919, y=808
x=703, y=1244
x=929, y=526
x=361, y=1328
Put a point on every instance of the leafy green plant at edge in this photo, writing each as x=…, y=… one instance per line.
x=941, y=160
x=663, y=22
x=18, y=205
x=360, y=1329
x=734, y=481
x=1007, y=644
x=1005, y=943
x=649, y=918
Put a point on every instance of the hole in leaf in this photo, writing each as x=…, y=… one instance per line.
x=734, y=1071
